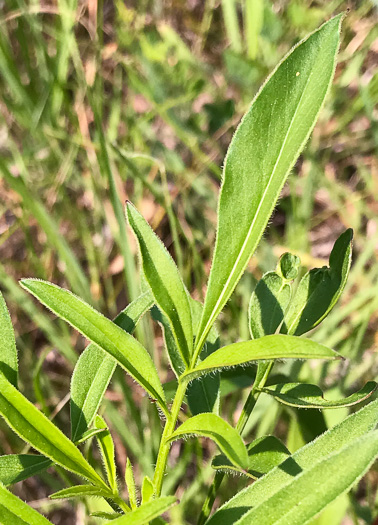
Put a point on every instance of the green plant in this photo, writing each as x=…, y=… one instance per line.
x=290, y=488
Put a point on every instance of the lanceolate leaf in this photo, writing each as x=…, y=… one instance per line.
x=265, y=348
x=268, y=305
x=80, y=491
x=8, y=351
x=310, y=396
x=166, y=284
x=264, y=454
x=16, y=512
x=34, y=428
x=320, y=289
x=310, y=492
x=305, y=458
x=215, y=428
x=262, y=152
x=147, y=512
x=17, y=467
x=130, y=354
x=95, y=368
x=106, y=445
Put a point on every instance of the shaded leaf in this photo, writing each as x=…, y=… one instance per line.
x=16, y=512
x=265, y=348
x=8, y=351
x=288, y=266
x=320, y=289
x=215, y=428
x=128, y=352
x=282, y=115
x=166, y=284
x=264, y=454
x=17, y=467
x=142, y=515
x=302, y=395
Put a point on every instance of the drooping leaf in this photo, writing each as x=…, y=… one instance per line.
x=145, y=513
x=34, y=428
x=16, y=512
x=320, y=289
x=262, y=152
x=8, y=351
x=17, y=467
x=106, y=445
x=217, y=429
x=268, y=305
x=166, y=284
x=130, y=354
x=147, y=490
x=312, y=490
x=341, y=435
x=265, y=348
x=302, y=395
x=264, y=454
x=81, y=491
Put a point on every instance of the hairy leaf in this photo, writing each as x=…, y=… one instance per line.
x=8, y=351
x=262, y=152
x=81, y=491
x=16, y=512
x=106, y=445
x=17, y=467
x=217, y=429
x=147, y=512
x=130, y=354
x=302, y=395
x=166, y=284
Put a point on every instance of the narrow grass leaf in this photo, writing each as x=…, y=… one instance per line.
x=302, y=395
x=311, y=491
x=106, y=445
x=95, y=368
x=34, y=428
x=8, y=350
x=264, y=454
x=130, y=354
x=17, y=467
x=16, y=512
x=341, y=435
x=145, y=513
x=265, y=348
x=262, y=152
x=320, y=289
x=217, y=429
x=166, y=284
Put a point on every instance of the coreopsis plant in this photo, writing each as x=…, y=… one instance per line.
x=290, y=488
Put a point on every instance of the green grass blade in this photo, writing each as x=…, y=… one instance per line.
x=214, y=427
x=17, y=467
x=166, y=284
x=16, y=512
x=265, y=348
x=310, y=492
x=8, y=350
x=254, y=14
x=34, y=428
x=95, y=368
x=343, y=434
x=262, y=152
x=130, y=354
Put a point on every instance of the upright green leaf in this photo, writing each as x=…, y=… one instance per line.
x=311, y=491
x=17, y=467
x=320, y=289
x=147, y=490
x=166, y=284
x=215, y=428
x=130, y=484
x=34, y=428
x=106, y=445
x=147, y=512
x=95, y=368
x=302, y=395
x=16, y=512
x=343, y=434
x=265, y=348
x=8, y=351
x=262, y=152
x=130, y=354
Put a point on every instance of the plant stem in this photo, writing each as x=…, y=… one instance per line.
x=263, y=372
x=162, y=458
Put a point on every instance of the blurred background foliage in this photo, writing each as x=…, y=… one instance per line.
x=103, y=101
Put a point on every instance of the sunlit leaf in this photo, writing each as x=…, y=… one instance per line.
x=17, y=467
x=147, y=512
x=106, y=445
x=8, y=351
x=14, y=511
